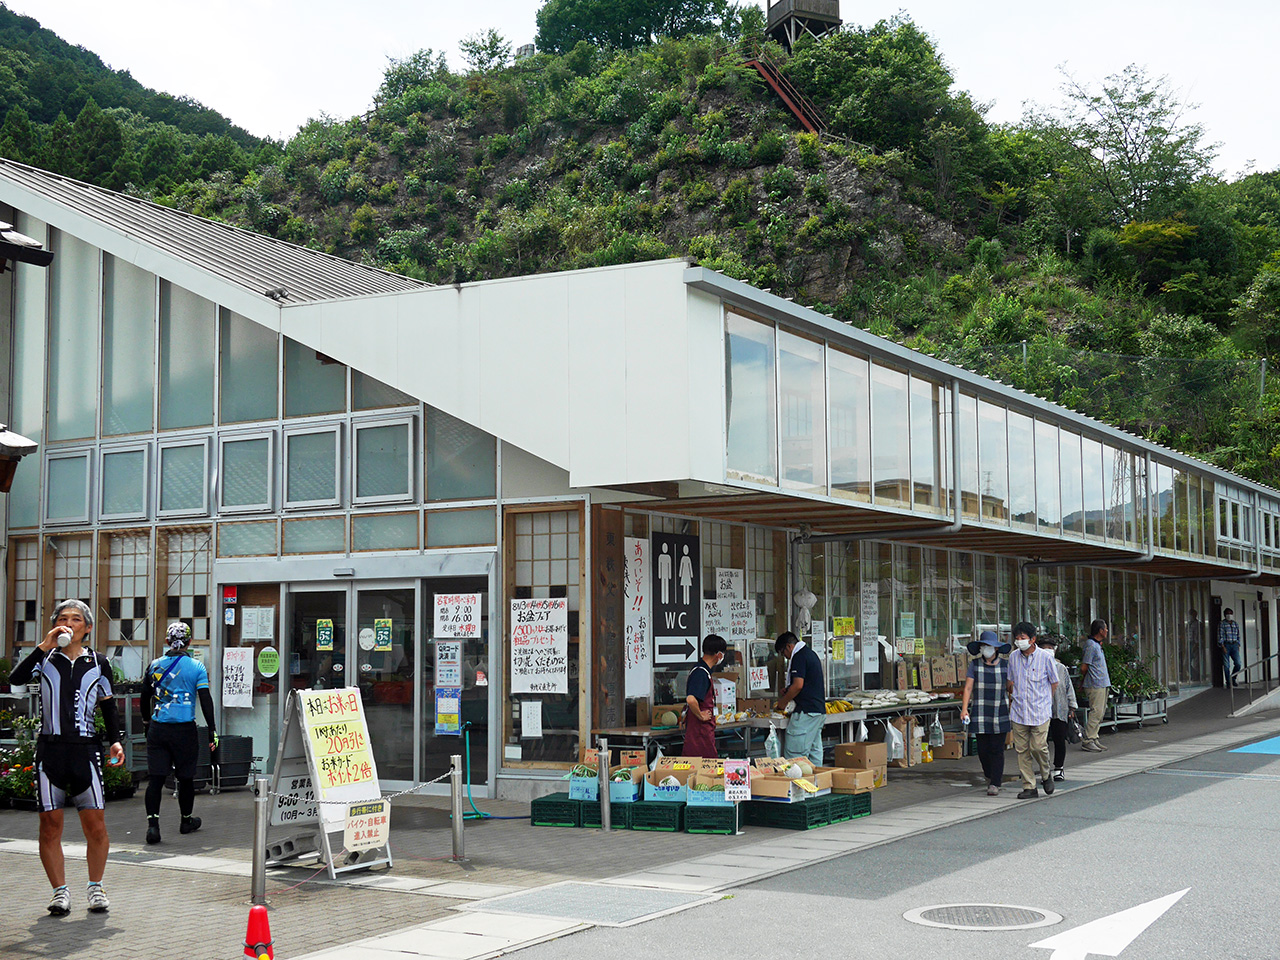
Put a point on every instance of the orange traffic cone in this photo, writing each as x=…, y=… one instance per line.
x=257, y=939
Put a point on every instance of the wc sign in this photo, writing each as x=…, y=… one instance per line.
x=677, y=598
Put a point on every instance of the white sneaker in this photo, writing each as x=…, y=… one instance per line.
x=98, y=902
x=60, y=905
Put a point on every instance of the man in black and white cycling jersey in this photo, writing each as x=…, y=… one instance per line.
x=74, y=682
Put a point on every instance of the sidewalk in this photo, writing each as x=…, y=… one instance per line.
x=191, y=892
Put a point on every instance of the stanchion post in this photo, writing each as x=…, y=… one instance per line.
x=602, y=766
x=455, y=797
x=261, y=814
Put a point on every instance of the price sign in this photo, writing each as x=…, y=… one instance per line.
x=759, y=678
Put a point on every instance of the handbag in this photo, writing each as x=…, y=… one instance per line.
x=1074, y=733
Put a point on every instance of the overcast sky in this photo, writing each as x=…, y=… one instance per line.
x=270, y=65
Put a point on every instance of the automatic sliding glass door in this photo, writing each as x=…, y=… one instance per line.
x=386, y=655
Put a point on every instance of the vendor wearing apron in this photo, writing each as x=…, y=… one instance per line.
x=700, y=700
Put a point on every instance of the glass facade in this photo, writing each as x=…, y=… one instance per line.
x=751, y=400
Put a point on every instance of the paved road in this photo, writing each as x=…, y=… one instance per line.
x=1206, y=824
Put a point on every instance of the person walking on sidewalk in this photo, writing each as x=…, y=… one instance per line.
x=169, y=692
x=1096, y=681
x=806, y=688
x=700, y=700
x=1033, y=680
x=984, y=705
x=74, y=682
x=1064, y=709
x=1229, y=643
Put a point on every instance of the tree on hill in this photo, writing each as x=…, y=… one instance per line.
x=625, y=24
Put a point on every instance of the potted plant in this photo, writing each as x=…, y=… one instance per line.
x=5, y=669
x=19, y=767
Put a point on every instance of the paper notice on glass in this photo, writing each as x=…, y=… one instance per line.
x=759, y=678
x=457, y=615
x=237, y=677
x=818, y=639
x=845, y=626
x=732, y=619
x=448, y=663
x=870, y=611
x=530, y=719
x=871, y=656
x=540, y=645
x=730, y=584
x=249, y=623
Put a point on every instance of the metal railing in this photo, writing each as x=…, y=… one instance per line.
x=1268, y=680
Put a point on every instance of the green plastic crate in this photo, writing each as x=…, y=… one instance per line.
x=619, y=815
x=849, y=806
x=710, y=819
x=801, y=815
x=657, y=815
x=556, y=810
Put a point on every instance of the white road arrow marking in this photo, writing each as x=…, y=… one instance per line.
x=1108, y=936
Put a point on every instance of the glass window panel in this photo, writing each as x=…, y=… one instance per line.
x=1207, y=516
x=124, y=483
x=1048, y=494
x=188, y=345
x=801, y=380
x=890, y=427
x=385, y=531
x=73, y=340
x=1195, y=520
x=1095, y=499
x=993, y=461
x=370, y=394
x=128, y=348
x=1164, y=506
x=382, y=461
x=850, y=418
x=311, y=467
x=969, y=488
x=68, y=489
x=750, y=400
x=1022, y=469
x=461, y=459
x=30, y=288
x=249, y=369
x=182, y=478
x=323, y=535
x=926, y=463
x=246, y=472
x=467, y=528
x=1180, y=520
x=1129, y=491
x=1072, y=491
x=313, y=383
x=256, y=539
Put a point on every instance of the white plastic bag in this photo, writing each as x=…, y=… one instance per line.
x=862, y=733
x=894, y=742
x=772, y=748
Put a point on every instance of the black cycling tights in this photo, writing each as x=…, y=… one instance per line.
x=186, y=796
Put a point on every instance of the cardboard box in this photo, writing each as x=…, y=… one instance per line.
x=881, y=772
x=949, y=751
x=682, y=768
x=853, y=781
x=913, y=741
x=586, y=788
x=660, y=708
x=713, y=797
x=760, y=705
x=861, y=756
x=628, y=791
x=782, y=790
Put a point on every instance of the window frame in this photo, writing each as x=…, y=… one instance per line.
x=109, y=450
x=307, y=430
x=172, y=444
x=409, y=422
x=68, y=453
x=223, y=440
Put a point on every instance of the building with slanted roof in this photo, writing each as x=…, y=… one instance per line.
x=289, y=450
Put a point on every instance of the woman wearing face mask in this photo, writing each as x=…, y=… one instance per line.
x=985, y=687
x=1064, y=708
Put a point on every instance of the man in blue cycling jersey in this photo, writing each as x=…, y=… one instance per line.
x=169, y=692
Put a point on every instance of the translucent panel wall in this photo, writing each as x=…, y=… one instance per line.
x=993, y=461
x=969, y=489
x=1072, y=489
x=27, y=405
x=1095, y=493
x=850, y=422
x=183, y=476
x=67, y=496
x=311, y=467
x=246, y=472
x=461, y=460
x=1022, y=470
x=128, y=348
x=382, y=461
x=750, y=400
x=313, y=384
x=370, y=394
x=1048, y=480
x=249, y=367
x=890, y=436
x=188, y=346
x=124, y=483
x=803, y=413
x=926, y=448
x=73, y=340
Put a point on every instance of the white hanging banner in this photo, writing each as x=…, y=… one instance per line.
x=540, y=645
x=638, y=636
x=237, y=677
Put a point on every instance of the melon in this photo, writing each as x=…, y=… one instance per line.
x=668, y=719
x=794, y=772
x=668, y=782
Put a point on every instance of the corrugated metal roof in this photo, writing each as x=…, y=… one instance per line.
x=253, y=261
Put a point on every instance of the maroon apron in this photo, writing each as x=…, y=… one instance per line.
x=699, y=734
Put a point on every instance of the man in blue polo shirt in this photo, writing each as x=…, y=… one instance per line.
x=172, y=684
x=807, y=689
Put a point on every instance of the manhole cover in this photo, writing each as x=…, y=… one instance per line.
x=981, y=916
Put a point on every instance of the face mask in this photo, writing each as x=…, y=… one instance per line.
x=64, y=638
x=1023, y=643
x=988, y=651
x=1050, y=651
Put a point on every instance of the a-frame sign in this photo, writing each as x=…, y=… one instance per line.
x=324, y=767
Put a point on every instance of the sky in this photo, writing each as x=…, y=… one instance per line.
x=270, y=65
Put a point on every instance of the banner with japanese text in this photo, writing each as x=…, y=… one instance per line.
x=638, y=637
x=540, y=645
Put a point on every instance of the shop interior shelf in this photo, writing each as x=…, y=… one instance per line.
x=657, y=815
x=711, y=819
x=849, y=806
x=556, y=810
x=619, y=814
x=801, y=815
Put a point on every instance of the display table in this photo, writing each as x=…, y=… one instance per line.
x=839, y=727
x=663, y=737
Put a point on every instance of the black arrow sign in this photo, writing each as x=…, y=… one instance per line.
x=682, y=649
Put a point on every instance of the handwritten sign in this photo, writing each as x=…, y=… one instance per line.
x=237, y=676
x=368, y=825
x=730, y=584
x=870, y=610
x=737, y=780
x=338, y=740
x=324, y=636
x=758, y=678
x=457, y=615
x=637, y=644
x=845, y=626
x=731, y=619
x=837, y=649
x=905, y=645
x=530, y=719
x=540, y=645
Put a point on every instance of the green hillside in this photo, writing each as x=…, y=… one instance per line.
x=1134, y=286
